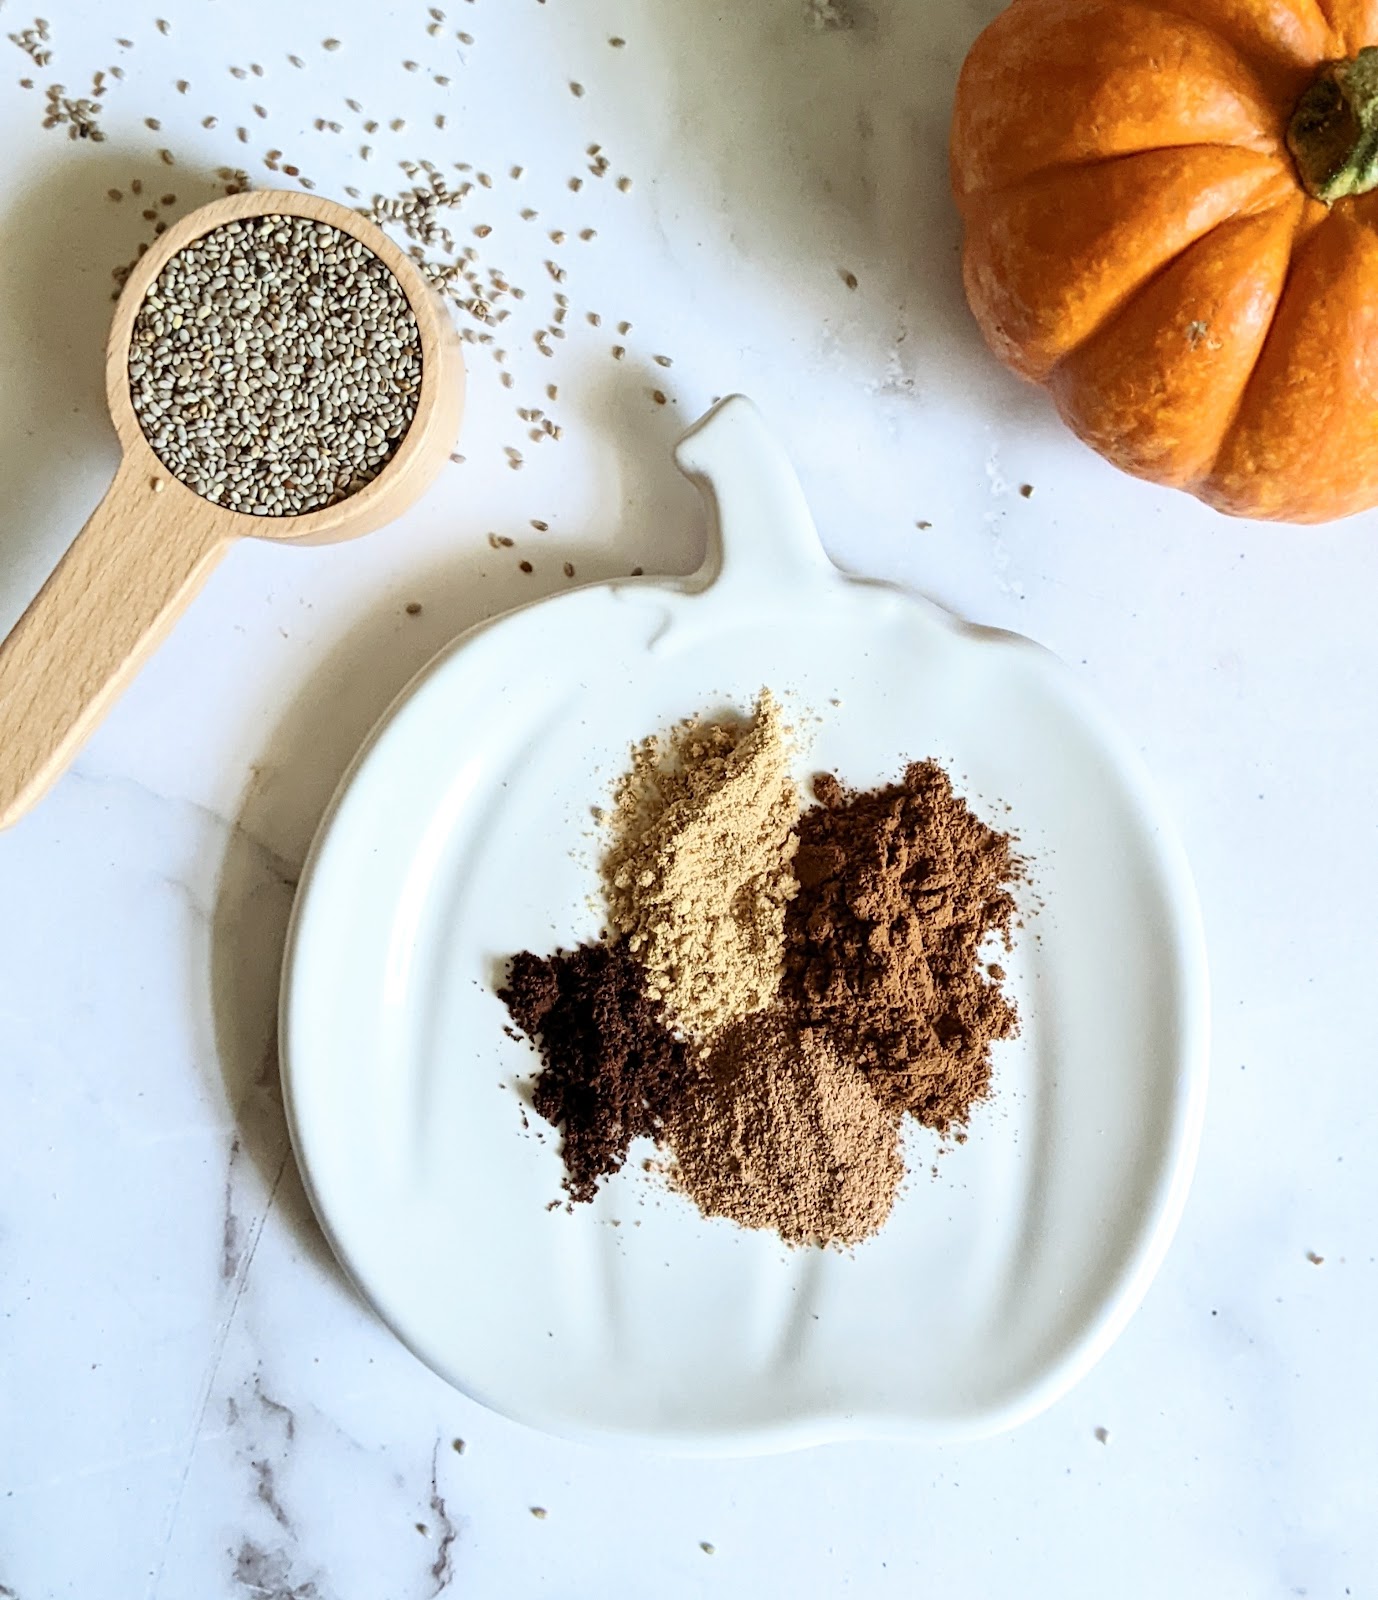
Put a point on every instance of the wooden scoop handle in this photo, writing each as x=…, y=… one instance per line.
x=110, y=601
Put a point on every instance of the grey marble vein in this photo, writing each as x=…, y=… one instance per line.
x=442, y=1568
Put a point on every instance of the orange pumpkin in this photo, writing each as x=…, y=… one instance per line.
x=1169, y=226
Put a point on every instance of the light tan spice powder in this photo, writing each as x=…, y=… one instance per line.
x=698, y=873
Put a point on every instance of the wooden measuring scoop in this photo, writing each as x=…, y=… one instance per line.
x=152, y=541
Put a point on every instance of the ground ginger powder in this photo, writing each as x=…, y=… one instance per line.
x=698, y=870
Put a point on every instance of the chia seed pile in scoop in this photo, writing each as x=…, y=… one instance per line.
x=275, y=365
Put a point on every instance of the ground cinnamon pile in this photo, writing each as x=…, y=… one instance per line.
x=610, y=1067
x=899, y=888
x=697, y=874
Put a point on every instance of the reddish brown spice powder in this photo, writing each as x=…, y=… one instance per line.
x=899, y=887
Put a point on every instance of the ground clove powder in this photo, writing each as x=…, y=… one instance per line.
x=610, y=1068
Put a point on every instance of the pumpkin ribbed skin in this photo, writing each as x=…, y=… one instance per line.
x=1139, y=242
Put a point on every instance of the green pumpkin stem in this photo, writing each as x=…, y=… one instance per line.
x=1333, y=134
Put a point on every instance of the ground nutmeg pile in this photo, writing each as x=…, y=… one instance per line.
x=782, y=985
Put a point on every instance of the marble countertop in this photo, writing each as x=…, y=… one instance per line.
x=192, y=1400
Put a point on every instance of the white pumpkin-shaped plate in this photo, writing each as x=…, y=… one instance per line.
x=463, y=833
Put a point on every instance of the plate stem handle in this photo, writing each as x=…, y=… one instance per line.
x=761, y=535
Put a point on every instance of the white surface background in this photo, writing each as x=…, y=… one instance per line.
x=192, y=1402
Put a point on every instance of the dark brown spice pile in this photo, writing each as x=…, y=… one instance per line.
x=610, y=1067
